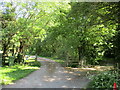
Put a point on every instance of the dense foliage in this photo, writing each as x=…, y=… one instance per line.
x=77, y=32
x=82, y=32
x=105, y=80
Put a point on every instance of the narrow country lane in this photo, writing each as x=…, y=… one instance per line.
x=50, y=75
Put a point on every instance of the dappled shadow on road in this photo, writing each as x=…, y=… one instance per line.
x=55, y=74
x=50, y=67
x=52, y=75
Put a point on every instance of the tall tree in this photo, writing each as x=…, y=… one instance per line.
x=8, y=21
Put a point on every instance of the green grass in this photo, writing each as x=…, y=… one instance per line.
x=54, y=59
x=9, y=74
x=59, y=61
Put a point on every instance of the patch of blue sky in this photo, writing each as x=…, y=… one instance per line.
x=64, y=0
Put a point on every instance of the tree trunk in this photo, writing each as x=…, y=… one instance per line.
x=117, y=40
x=5, y=47
x=13, y=51
x=4, y=54
x=119, y=31
x=20, y=53
x=81, y=56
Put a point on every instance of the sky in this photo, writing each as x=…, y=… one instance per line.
x=63, y=0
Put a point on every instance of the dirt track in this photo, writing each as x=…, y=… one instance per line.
x=50, y=75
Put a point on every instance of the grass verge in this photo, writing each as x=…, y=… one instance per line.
x=9, y=74
x=54, y=59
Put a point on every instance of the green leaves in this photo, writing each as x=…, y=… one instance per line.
x=62, y=28
x=104, y=80
x=85, y=26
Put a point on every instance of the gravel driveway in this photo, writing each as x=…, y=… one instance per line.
x=50, y=75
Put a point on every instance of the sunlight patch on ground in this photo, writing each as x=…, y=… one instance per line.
x=95, y=68
x=64, y=86
x=69, y=78
x=49, y=79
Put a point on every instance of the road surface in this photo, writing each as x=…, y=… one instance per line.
x=51, y=75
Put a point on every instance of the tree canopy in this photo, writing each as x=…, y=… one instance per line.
x=84, y=32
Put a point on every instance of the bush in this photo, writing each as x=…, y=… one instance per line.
x=73, y=65
x=32, y=62
x=105, y=80
x=35, y=64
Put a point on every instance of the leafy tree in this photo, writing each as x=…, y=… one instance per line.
x=7, y=23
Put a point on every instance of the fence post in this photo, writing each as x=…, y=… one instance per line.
x=36, y=57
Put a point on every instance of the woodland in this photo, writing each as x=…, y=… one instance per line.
x=84, y=33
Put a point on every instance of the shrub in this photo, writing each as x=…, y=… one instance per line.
x=35, y=64
x=105, y=80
